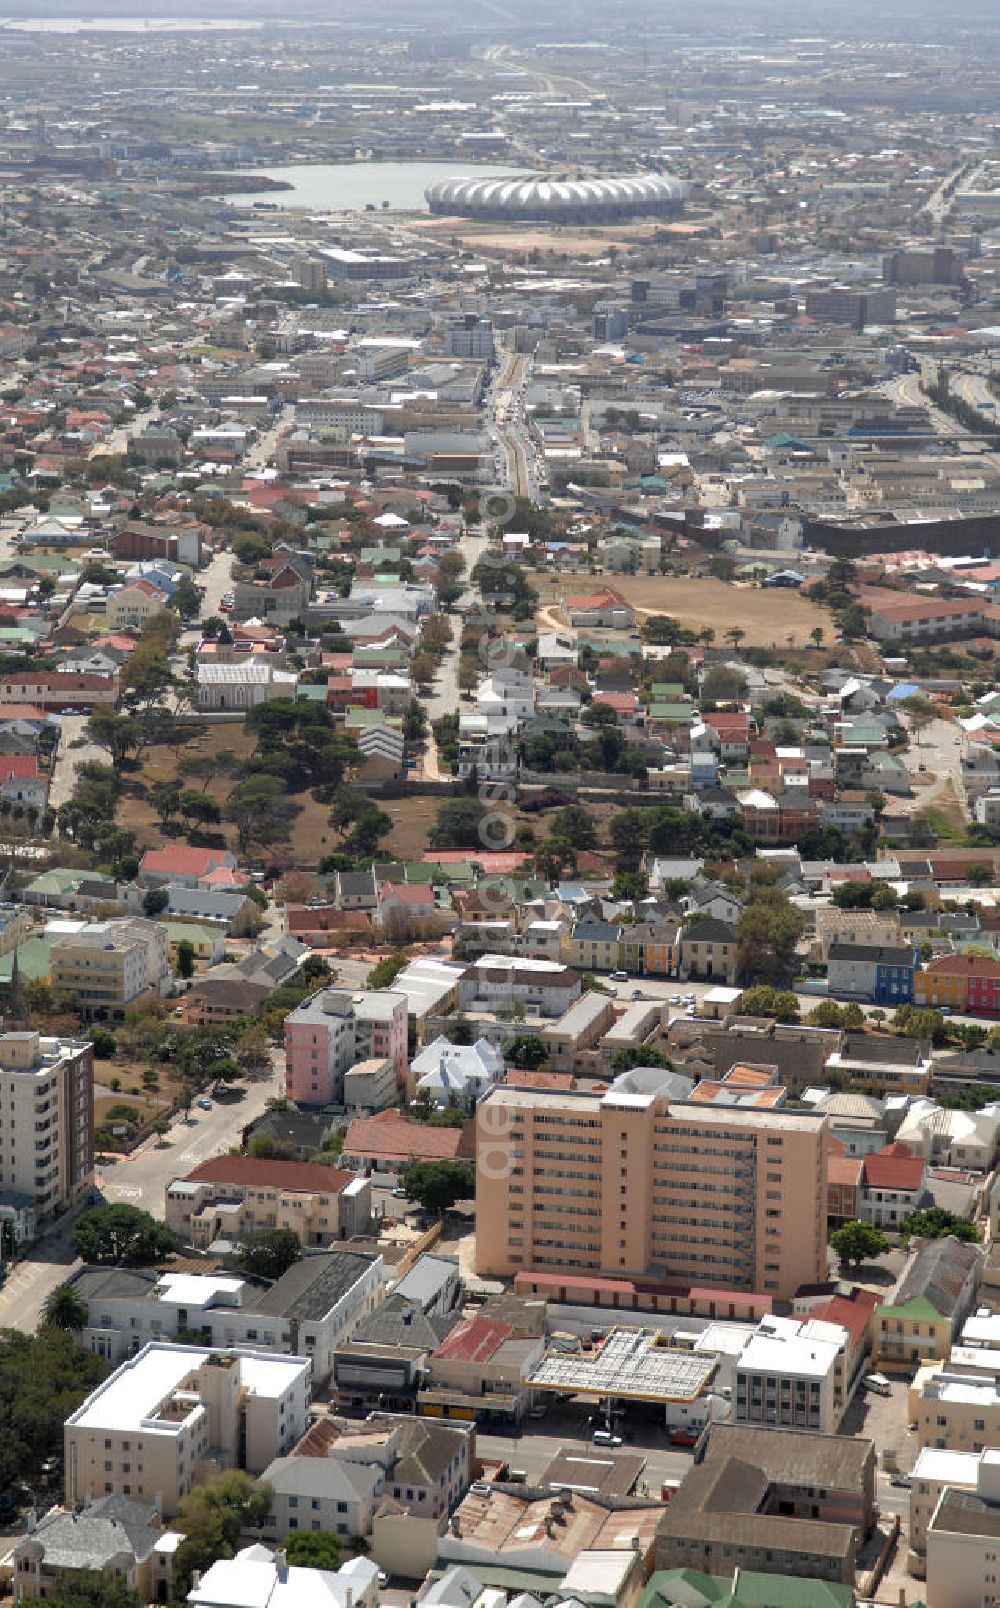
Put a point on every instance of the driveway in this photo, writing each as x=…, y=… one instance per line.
x=69, y=758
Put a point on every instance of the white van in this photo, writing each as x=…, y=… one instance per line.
x=878, y=1384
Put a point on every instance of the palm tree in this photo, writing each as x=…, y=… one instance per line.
x=65, y=1309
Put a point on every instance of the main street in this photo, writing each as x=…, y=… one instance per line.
x=443, y=697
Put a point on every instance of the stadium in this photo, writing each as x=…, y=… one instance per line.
x=541, y=198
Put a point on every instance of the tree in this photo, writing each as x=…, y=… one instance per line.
x=921, y=712
x=816, y=636
x=735, y=635
x=934, y=1222
x=919, y=1022
x=722, y=565
x=251, y=1050
x=383, y=973
x=201, y=808
x=640, y=1055
x=554, y=856
x=91, y=1588
x=575, y=825
x=528, y=1052
x=65, y=1309
x=105, y=1044
x=629, y=885
x=118, y=735
x=268, y=1252
x=212, y=1519
x=260, y=810
x=361, y=822
x=763, y=1000
x=629, y=833
x=121, y=1236
x=855, y=1243
x=186, y=955
x=437, y=1185
x=154, y=902
x=723, y=685
x=186, y=599
x=457, y=825
x=313, y=1549
x=43, y=1379
x=829, y=1014
x=768, y=931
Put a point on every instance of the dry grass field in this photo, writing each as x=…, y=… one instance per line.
x=499, y=240
x=769, y=617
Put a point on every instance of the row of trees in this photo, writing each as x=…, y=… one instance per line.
x=857, y=1242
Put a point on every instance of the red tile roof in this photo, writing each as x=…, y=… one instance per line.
x=415, y=893
x=844, y=1170
x=248, y=1172
x=175, y=859
x=893, y=1172
x=20, y=765
x=397, y=1138
x=853, y=1312
x=963, y=966
x=525, y=1079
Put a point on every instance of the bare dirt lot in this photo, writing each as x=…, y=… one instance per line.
x=769, y=617
x=497, y=239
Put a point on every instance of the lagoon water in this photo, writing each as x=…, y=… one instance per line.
x=350, y=186
x=74, y=25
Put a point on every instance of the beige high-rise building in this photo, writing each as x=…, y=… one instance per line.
x=724, y=1188
x=46, y=1127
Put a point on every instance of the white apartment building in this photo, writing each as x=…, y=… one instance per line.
x=790, y=1376
x=46, y=1127
x=313, y=1308
x=541, y=986
x=172, y=1416
x=107, y=965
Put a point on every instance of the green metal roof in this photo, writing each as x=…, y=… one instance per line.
x=33, y=960
x=919, y=1307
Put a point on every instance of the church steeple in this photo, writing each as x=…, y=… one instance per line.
x=16, y=1015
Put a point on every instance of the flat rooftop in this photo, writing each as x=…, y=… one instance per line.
x=629, y=1364
x=142, y=1386
x=950, y=1468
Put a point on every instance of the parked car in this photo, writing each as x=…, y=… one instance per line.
x=205, y=1104
x=605, y=1437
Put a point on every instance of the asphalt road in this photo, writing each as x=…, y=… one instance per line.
x=934, y=759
